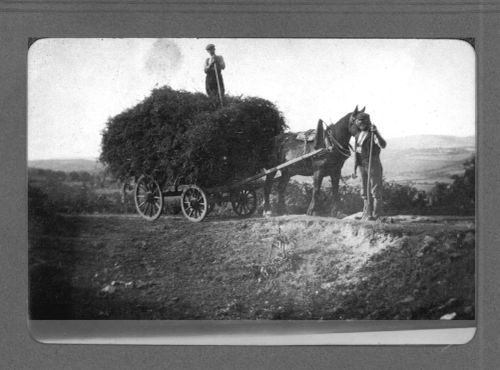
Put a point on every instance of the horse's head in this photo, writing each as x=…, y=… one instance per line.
x=357, y=120
x=341, y=132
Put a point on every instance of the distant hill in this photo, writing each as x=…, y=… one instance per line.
x=431, y=141
x=421, y=160
x=67, y=165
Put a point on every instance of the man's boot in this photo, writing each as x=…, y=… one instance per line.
x=367, y=210
x=377, y=208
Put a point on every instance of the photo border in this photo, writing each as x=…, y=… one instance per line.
x=425, y=19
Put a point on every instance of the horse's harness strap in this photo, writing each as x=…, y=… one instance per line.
x=337, y=145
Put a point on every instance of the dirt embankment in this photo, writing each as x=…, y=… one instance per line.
x=291, y=267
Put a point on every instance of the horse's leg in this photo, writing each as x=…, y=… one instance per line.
x=335, y=177
x=268, y=186
x=283, y=182
x=317, y=180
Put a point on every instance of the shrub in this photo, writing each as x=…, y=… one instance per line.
x=399, y=198
x=459, y=196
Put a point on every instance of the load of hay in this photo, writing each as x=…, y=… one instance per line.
x=177, y=134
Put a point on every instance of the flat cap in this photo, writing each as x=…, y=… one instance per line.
x=210, y=47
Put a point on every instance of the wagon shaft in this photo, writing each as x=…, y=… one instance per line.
x=279, y=167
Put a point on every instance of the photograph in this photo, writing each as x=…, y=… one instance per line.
x=251, y=179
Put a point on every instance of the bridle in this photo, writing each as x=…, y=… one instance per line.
x=334, y=143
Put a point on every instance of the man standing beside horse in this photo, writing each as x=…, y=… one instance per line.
x=368, y=145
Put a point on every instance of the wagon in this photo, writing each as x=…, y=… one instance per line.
x=196, y=202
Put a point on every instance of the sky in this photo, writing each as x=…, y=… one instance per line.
x=409, y=86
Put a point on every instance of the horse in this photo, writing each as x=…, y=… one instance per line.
x=335, y=136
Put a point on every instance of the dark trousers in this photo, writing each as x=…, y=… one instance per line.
x=211, y=85
x=372, y=194
x=375, y=178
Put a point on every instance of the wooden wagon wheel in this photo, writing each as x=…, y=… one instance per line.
x=148, y=198
x=194, y=203
x=244, y=202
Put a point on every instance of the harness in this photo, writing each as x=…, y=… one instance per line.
x=346, y=152
x=334, y=143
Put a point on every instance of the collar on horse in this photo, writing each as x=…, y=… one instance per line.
x=335, y=143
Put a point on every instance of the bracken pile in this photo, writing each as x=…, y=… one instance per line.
x=177, y=134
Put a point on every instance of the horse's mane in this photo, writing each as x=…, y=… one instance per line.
x=319, y=138
x=341, y=122
x=338, y=130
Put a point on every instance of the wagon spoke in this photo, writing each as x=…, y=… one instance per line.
x=194, y=203
x=244, y=202
x=148, y=198
x=154, y=207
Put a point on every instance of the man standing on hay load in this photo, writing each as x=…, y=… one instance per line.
x=214, y=84
x=368, y=144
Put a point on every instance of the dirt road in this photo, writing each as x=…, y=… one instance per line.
x=290, y=267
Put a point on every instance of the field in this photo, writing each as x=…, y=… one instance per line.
x=289, y=267
x=92, y=257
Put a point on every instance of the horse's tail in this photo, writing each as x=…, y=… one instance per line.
x=276, y=154
x=319, y=141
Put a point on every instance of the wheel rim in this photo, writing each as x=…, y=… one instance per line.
x=148, y=198
x=194, y=203
x=244, y=202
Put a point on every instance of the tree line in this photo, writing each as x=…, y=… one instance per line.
x=81, y=192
